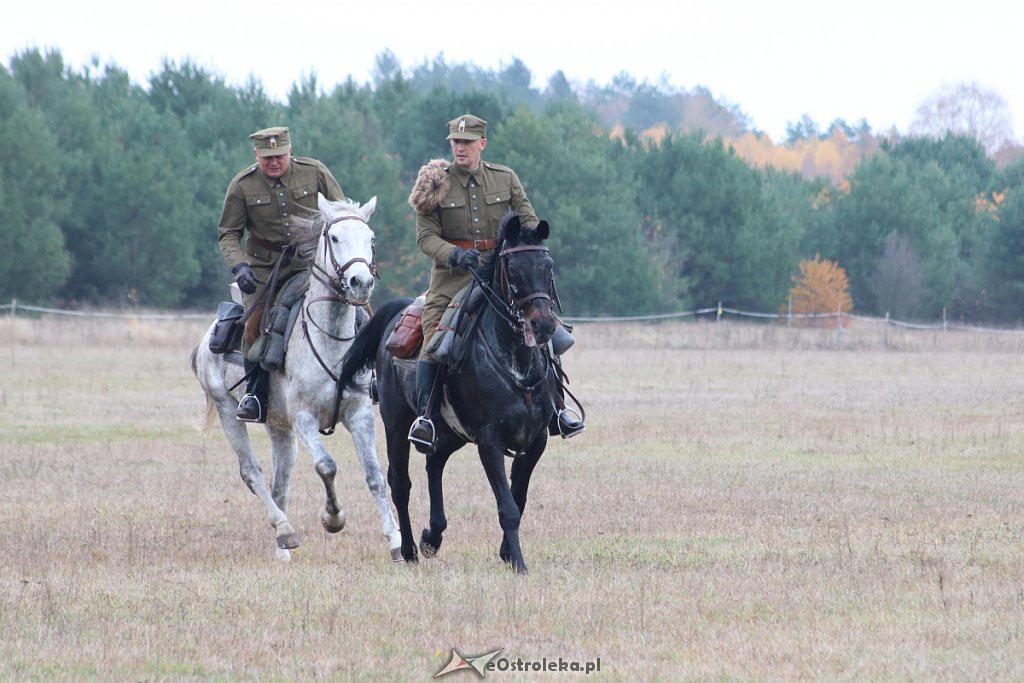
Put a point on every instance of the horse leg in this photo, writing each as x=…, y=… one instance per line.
x=522, y=470
x=307, y=427
x=283, y=449
x=251, y=474
x=430, y=539
x=401, y=484
x=493, y=460
x=362, y=424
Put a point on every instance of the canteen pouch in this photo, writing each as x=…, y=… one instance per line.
x=226, y=334
x=406, y=337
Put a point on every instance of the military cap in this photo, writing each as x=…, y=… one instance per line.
x=467, y=127
x=271, y=142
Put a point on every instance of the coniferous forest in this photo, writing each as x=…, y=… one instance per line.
x=659, y=199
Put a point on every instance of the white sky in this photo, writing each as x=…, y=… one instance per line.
x=775, y=59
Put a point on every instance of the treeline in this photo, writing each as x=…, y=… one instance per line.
x=112, y=191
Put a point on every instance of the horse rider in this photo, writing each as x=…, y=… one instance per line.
x=262, y=203
x=458, y=213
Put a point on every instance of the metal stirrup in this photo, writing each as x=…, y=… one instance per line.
x=421, y=420
x=561, y=429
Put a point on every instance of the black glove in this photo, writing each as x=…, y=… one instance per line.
x=246, y=278
x=464, y=258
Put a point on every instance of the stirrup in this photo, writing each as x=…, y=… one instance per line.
x=374, y=390
x=420, y=440
x=260, y=416
x=570, y=423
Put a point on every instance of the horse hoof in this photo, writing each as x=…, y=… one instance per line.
x=427, y=550
x=396, y=555
x=333, y=523
x=518, y=568
x=288, y=541
x=283, y=555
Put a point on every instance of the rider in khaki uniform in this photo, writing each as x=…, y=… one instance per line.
x=459, y=207
x=263, y=201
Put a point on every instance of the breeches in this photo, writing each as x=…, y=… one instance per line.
x=252, y=328
x=433, y=309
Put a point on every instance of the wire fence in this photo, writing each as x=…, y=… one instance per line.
x=15, y=307
x=837, y=319
x=720, y=312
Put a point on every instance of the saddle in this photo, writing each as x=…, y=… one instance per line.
x=448, y=344
x=229, y=329
x=278, y=326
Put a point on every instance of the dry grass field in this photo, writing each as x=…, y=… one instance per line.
x=748, y=503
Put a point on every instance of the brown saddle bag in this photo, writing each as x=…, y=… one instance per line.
x=405, y=339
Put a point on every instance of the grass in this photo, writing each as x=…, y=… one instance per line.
x=748, y=503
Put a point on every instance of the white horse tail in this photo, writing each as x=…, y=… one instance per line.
x=208, y=418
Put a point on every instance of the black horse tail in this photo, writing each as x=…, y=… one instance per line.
x=363, y=351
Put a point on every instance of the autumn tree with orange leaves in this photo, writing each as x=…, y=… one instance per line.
x=823, y=288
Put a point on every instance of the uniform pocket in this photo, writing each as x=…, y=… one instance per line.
x=497, y=206
x=305, y=196
x=257, y=200
x=453, y=213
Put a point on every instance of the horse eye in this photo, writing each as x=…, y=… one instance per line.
x=334, y=239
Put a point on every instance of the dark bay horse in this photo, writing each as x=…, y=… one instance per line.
x=500, y=396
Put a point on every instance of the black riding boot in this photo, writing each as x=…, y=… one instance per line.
x=253, y=406
x=422, y=432
x=566, y=422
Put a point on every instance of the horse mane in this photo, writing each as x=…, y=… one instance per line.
x=309, y=224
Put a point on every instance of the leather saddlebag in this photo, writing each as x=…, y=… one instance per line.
x=227, y=329
x=405, y=339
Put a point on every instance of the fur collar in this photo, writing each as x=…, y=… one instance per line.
x=431, y=186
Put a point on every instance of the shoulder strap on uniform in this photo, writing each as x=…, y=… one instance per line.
x=497, y=167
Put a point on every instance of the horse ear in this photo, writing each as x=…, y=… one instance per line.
x=543, y=230
x=368, y=208
x=510, y=226
x=321, y=202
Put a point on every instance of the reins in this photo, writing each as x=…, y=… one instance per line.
x=509, y=308
x=337, y=285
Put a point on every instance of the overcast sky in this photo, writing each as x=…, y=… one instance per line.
x=775, y=59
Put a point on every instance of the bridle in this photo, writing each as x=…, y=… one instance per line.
x=511, y=310
x=336, y=281
x=338, y=285
x=517, y=305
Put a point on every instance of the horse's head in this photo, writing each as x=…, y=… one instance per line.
x=346, y=253
x=524, y=274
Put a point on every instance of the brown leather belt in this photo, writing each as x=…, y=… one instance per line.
x=270, y=246
x=479, y=245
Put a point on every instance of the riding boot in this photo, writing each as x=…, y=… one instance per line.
x=253, y=406
x=561, y=340
x=422, y=432
x=566, y=422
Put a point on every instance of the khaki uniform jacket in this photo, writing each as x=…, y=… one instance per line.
x=472, y=210
x=266, y=208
